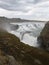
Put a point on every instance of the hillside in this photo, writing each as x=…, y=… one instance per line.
x=4, y=19
x=14, y=52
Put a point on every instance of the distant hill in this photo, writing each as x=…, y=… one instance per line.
x=4, y=19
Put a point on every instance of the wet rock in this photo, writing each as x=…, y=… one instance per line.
x=14, y=27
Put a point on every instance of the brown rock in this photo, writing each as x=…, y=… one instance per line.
x=43, y=39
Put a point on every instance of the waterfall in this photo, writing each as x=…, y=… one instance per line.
x=28, y=32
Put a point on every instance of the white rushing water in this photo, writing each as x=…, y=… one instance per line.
x=27, y=31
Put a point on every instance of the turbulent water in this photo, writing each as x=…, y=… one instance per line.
x=27, y=31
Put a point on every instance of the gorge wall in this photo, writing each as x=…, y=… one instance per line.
x=43, y=38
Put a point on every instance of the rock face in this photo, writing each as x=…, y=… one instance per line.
x=43, y=39
x=14, y=27
x=14, y=52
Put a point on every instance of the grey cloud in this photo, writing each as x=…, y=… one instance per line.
x=13, y=5
x=17, y=5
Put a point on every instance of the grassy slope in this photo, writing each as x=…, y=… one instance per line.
x=24, y=54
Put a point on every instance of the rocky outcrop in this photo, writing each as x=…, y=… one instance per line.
x=17, y=53
x=43, y=39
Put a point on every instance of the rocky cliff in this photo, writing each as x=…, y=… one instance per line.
x=14, y=52
x=43, y=39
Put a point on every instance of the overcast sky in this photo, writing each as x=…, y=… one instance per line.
x=25, y=9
